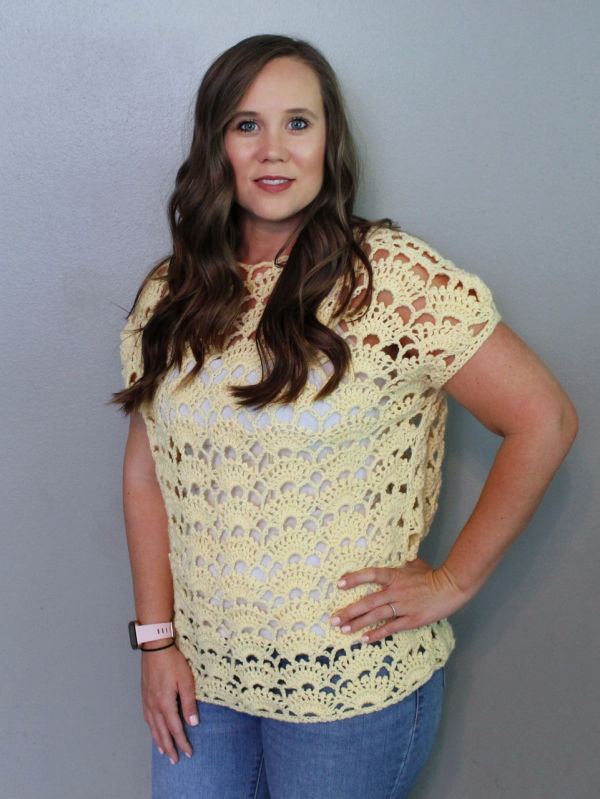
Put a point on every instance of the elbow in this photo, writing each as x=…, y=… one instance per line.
x=549, y=423
x=557, y=423
x=568, y=423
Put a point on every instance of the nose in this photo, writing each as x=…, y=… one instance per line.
x=272, y=146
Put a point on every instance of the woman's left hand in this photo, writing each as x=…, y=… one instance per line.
x=417, y=593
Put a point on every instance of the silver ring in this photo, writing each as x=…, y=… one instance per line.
x=393, y=609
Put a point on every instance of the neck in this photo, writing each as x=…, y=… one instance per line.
x=261, y=241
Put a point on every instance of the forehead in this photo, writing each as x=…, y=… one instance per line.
x=284, y=83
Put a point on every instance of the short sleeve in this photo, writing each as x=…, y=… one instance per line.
x=433, y=316
x=131, y=335
x=457, y=316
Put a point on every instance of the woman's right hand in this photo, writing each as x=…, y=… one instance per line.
x=165, y=677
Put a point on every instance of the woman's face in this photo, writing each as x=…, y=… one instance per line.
x=276, y=145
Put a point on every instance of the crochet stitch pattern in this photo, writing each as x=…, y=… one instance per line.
x=269, y=507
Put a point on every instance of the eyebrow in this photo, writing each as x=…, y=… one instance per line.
x=250, y=113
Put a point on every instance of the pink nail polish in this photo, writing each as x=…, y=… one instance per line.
x=341, y=583
x=346, y=628
x=335, y=621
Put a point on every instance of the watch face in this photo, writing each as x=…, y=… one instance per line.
x=132, y=635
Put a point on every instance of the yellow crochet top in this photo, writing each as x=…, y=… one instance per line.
x=268, y=508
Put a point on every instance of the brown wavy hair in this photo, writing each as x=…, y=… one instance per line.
x=205, y=290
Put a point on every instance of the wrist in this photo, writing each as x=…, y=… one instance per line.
x=154, y=646
x=157, y=633
x=457, y=583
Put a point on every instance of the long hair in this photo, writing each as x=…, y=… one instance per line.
x=205, y=290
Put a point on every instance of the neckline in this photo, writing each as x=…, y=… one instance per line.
x=262, y=274
x=247, y=267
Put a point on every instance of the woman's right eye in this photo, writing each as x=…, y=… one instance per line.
x=247, y=126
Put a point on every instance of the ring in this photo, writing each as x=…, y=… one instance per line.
x=393, y=609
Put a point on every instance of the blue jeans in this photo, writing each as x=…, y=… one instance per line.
x=237, y=756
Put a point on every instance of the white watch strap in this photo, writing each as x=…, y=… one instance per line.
x=152, y=632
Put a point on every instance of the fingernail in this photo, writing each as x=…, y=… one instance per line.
x=187, y=754
x=346, y=628
x=365, y=639
x=160, y=750
x=341, y=583
x=172, y=761
x=194, y=720
x=335, y=621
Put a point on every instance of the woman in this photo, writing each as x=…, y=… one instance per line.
x=284, y=375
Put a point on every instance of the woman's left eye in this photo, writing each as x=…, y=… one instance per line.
x=298, y=123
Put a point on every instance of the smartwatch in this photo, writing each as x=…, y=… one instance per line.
x=142, y=633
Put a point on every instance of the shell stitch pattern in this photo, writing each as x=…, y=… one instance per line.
x=269, y=507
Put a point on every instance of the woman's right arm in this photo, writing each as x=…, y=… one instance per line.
x=165, y=674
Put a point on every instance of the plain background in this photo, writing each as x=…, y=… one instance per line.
x=478, y=126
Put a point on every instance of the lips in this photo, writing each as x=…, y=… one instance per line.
x=273, y=183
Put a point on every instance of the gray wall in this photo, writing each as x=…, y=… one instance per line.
x=478, y=124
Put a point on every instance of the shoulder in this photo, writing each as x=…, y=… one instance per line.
x=407, y=262
x=391, y=239
x=384, y=244
x=153, y=289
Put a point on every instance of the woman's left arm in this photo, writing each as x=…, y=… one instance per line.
x=511, y=392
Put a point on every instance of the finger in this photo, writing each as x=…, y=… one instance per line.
x=165, y=740
x=187, y=700
x=175, y=727
x=373, y=574
x=375, y=616
x=361, y=607
x=154, y=732
x=394, y=626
